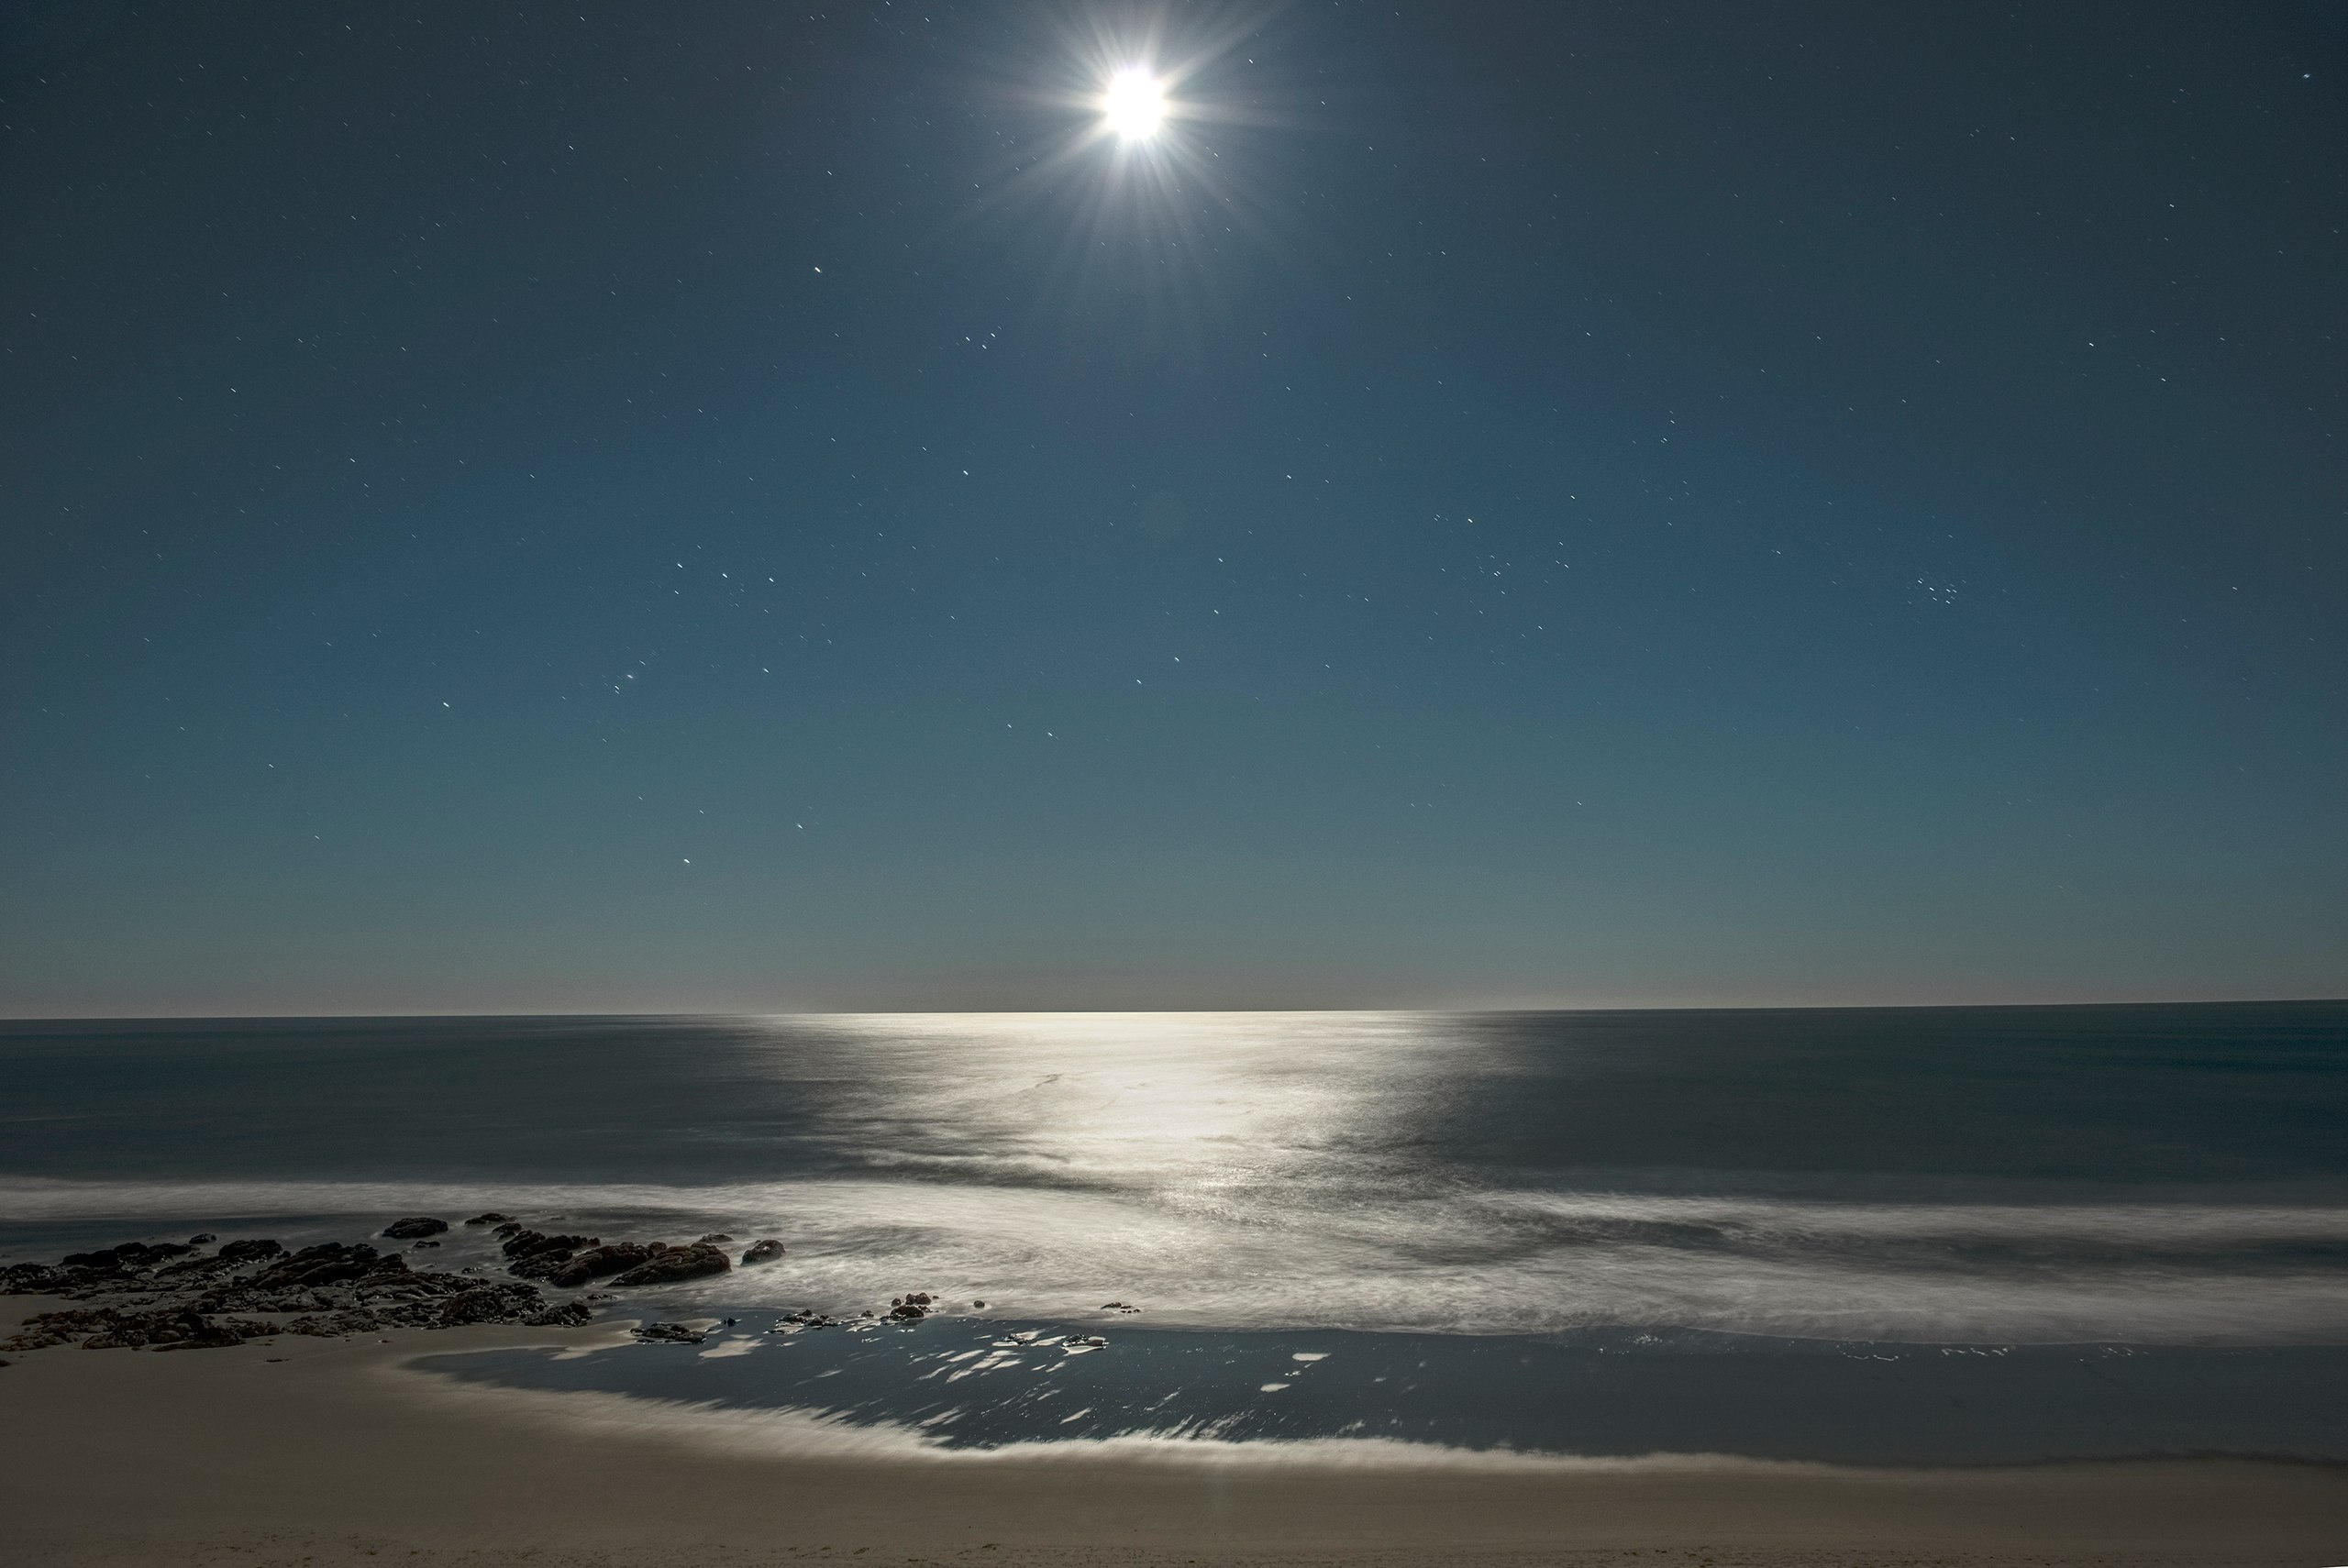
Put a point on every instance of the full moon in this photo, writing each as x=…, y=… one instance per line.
x=1134, y=105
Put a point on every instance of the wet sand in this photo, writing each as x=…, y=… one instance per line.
x=331, y=1451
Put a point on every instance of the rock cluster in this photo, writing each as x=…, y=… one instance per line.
x=163, y=1296
x=173, y=1295
x=807, y=1317
x=108, y=1327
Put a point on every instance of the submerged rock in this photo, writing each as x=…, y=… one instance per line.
x=669, y=1334
x=414, y=1225
x=491, y=1218
x=761, y=1252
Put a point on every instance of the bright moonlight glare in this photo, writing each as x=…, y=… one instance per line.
x=1134, y=104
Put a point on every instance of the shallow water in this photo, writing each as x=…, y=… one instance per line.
x=963, y=1384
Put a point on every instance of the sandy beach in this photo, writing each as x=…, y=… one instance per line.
x=325, y=1451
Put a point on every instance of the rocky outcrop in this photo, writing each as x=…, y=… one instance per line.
x=666, y=1265
x=758, y=1253
x=224, y=1298
x=414, y=1228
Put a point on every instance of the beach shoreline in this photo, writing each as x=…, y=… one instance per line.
x=335, y=1450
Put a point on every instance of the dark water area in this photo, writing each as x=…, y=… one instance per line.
x=2154, y=1095
x=965, y=1385
x=1653, y=1219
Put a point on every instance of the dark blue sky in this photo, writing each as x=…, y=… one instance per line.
x=647, y=508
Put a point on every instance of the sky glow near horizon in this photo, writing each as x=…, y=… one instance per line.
x=1478, y=504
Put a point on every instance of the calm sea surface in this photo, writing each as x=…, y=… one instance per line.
x=2171, y=1179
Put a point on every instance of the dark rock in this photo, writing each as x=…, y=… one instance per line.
x=38, y=1279
x=534, y=1254
x=414, y=1225
x=807, y=1317
x=761, y=1252
x=328, y=1263
x=978, y=1303
x=486, y=1304
x=420, y=1246
x=669, y=1334
x=598, y=1263
x=201, y=1238
x=107, y=1328
x=569, y=1314
x=249, y=1249
x=666, y=1265
x=507, y=1228
x=719, y=1237
x=127, y=1256
x=491, y=1218
x=333, y=1325
x=908, y=1311
x=332, y=1289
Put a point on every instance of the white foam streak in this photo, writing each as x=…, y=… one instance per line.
x=804, y=1435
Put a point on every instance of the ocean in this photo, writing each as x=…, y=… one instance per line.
x=1949, y=1234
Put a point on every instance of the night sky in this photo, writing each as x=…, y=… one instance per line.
x=743, y=506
